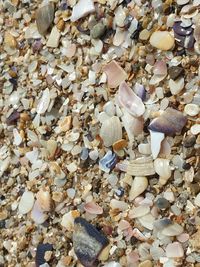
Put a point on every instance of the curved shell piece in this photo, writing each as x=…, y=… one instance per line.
x=130, y=101
x=163, y=169
x=111, y=131
x=138, y=186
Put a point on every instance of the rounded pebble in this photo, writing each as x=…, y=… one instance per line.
x=162, y=40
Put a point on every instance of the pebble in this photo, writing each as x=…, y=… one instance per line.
x=192, y=109
x=26, y=202
x=9, y=40
x=162, y=203
x=144, y=35
x=88, y=242
x=172, y=230
x=176, y=86
x=175, y=72
x=146, y=263
x=98, y=30
x=189, y=141
x=197, y=200
x=162, y=40
x=174, y=250
x=44, y=17
x=54, y=38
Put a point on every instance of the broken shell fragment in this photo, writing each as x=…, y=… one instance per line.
x=163, y=169
x=141, y=167
x=93, y=208
x=108, y=162
x=138, y=186
x=111, y=131
x=44, y=200
x=115, y=74
x=130, y=101
x=44, y=17
x=82, y=9
x=170, y=122
x=88, y=242
x=156, y=139
x=40, y=253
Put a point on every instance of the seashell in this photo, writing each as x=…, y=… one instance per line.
x=43, y=104
x=171, y=121
x=147, y=221
x=44, y=200
x=156, y=139
x=174, y=250
x=117, y=204
x=45, y=17
x=40, y=253
x=162, y=168
x=139, y=211
x=160, y=68
x=82, y=9
x=120, y=144
x=162, y=223
x=140, y=91
x=141, y=167
x=115, y=74
x=176, y=86
x=130, y=101
x=178, y=29
x=108, y=162
x=37, y=215
x=68, y=219
x=172, y=230
x=111, y=131
x=26, y=202
x=185, y=41
x=112, y=264
x=138, y=186
x=88, y=242
x=93, y=208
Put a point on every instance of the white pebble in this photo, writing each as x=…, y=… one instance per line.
x=195, y=129
x=71, y=192
x=54, y=38
x=26, y=202
x=192, y=109
x=174, y=250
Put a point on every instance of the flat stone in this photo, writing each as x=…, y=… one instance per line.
x=175, y=72
x=54, y=38
x=44, y=18
x=88, y=242
x=162, y=40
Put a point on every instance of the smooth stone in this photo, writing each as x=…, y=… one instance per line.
x=197, y=200
x=174, y=250
x=98, y=31
x=172, y=230
x=175, y=72
x=45, y=17
x=189, y=141
x=162, y=40
x=144, y=35
x=192, y=109
x=88, y=241
x=54, y=38
x=146, y=263
x=162, y=203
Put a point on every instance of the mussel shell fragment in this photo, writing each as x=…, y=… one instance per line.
x=40, y=253
x=182, y=30
x=88, y=242
x=108, y=162
x=170, y=122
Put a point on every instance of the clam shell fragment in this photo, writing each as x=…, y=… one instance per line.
x=111, y=131
x=141, y=167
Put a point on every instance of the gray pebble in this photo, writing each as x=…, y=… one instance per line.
x=98, y=31
x=189, y=141
x=162, y=203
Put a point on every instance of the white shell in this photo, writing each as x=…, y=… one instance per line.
x=162, y=168
x=26, y=202
x=82, y=9
x=138, y=186
x=111, y=131
x=156, y=139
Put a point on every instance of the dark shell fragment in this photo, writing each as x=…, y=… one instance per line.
x=40, y=253
x=88, y=242
x=14, y=116
x=175, y=72
x=181, y=30
x=170, y=122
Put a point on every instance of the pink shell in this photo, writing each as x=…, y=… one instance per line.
x=115, y=74
x=130, y=101
x=93, y=208
x=160, y=68
x=123, y=225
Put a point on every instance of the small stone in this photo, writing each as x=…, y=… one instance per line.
x=162, y=40
x=44, y=17
x=26, y=202
x=176, y=86
x=144, y=35
x=98, y=30
x=189, y=141
x=9, y=40
x=174, y=250
x=162, y=203
x=175, y=72
x=192, y=109
x=172, y=230
x=54, y=38
x=60, y=25
x=146, y=263
x=197, y=200
x=88, y=241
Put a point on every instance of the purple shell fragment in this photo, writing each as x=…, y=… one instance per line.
x=170, y=122
x=108, y=162
x=180, y=30
x=185, y=41
x=88, y=242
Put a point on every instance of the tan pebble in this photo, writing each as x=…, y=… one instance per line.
x=105, y=253
x=47, y=255
x=146, y=263
x=144, y=35
x=66, y=260
x=162, y=40
x=12, y=73
x=9, y=40
x=54, y=38
x=65, y=124
x=57, y=196
x=60, y=25
x=120, y=144
x=3, y=215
